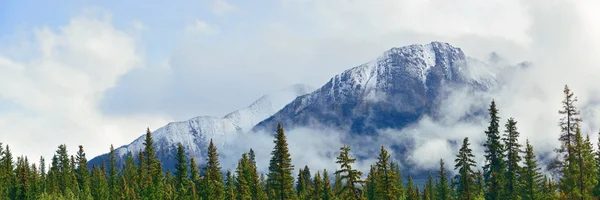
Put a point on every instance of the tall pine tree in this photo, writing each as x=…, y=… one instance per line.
x=494, y=150
x=385, y=177
x=531, y=178
x=513, y=158
x=466, y=176
x=350, y=189
x=442, y=188
x=280, y=177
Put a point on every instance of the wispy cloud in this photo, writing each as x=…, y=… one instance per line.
x=201, y=27
x=220, y=7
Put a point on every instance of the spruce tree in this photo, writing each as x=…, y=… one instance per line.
x=301, y=189
x=350, y=189
x=242, y=185
x=99, y=185
x=399, y=180
x=113, y=174
x=442, y=188
x=129, y=179
x=531, y=178
x=83, y=174
x=417, y=192
x=337, y=185
x=371, y=184
x=42, y=174
x=153, y=175
x=195, y=178
x=494, y=166
x=22, y=186
x=280, y=177
x=597, y=159
x=229, y=187
x=566, y=162
x=328, y=193
x=466, y=176
x=214, y=177
x=385, y=177
x=513, y=149
x=410, y=189
x=255, y=187
x=181, y=181
x=429, y=190
x=317, y=187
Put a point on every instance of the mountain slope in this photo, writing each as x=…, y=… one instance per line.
x=194, y=134
x=391, y=91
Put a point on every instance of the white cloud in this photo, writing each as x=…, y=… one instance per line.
x=222, y=6
x=199, y=26
x=57, y=91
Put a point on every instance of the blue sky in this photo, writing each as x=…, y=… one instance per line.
x=98, y=72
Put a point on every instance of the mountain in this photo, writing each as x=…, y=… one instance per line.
x=195, y=133
x=392, y=91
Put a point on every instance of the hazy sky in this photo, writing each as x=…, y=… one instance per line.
x=99, y=72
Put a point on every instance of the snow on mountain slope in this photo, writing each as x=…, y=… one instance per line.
x=194, y=134
x=391, y=91
x=266, y=106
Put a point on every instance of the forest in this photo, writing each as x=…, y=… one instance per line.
x=511, y=172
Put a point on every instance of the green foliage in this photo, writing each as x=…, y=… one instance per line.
x=327, y=193
x=442, y=188
x=466, y=176
x=113, y=174
x=229, y=187
x=531, y=178
x=242, y=185
x=513, y=149
x=280, y=178
x=385, y=177
x=83, y=173
x=351, y=177
x=411, y=193
x=181, y=182
x=494, y=153
x=99, y=185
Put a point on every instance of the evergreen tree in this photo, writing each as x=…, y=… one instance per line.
x=494, y=150
x=317, y=187
x=513, y=149
x=566, y=163
x=229, y=187
x=152, y=170
x=280, y=177
x=255, y=187
x=64, y=171
x=113, y=174
x=42, y=174
x=301, y=189
x=350, y=190
x=195, y=178
x=597, y=159
x=214, y=178
x=399, y=180
x=371, y=184
x=242, y=185
x=337, y=185
x=442, y=188
x=7, y=168
x=531, y=178
x=466, y=176
x=34, y=181
x=410, y=189
x=99, y=185
x=22, y=187
x=385, y=177
x=585, y=171
x=417, y=192
x=181, y=181
x=328, y=193
x=428, y=190
x=129, y=178
x=83, y=174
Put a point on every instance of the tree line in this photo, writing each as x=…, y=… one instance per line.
x=510, y=172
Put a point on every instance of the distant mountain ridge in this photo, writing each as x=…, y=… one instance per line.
x=195, y=133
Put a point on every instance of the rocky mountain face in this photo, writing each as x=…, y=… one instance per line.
x=392, y=91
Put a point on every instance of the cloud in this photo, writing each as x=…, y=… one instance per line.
x=199, y=26
x=56, y=92
x=220, y=7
